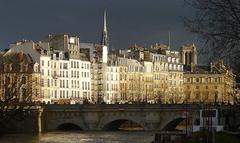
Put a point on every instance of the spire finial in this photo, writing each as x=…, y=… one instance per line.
x=169, y=39
x=105, y=21
x=105, y=32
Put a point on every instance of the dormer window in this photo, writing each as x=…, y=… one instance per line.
x=21, y=67
x=26, y=67
x=54, y=56
x=10, y=67
x=35, y=67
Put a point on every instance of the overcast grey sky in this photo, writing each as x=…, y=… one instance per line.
x=129, y=21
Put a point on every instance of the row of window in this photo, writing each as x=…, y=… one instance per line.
x=74, y=64
x=175, y=67
x=66, y=94
x=205, y=87
x=112, y=77
x=112, y=87
x=205, y=80
x=65, y=74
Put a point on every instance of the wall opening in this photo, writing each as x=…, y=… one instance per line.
x=69, y=127
x=123, y=125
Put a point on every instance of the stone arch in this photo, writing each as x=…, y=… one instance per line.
x=170, y=126
x=68, y=127
x=115, y=124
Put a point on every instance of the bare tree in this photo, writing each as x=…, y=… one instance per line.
x=217, y=22
x=15, y=105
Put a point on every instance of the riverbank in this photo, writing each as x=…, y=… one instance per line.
x=220, y=137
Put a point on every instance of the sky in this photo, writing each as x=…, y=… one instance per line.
x=143, y=22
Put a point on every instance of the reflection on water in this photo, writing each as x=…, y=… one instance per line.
x=80, y=137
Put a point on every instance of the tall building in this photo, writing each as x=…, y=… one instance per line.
x=175, y=77
x=64, y=79
x=189, y=54
x=160, y=77
x=112, y=93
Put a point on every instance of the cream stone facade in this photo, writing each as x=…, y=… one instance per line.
x=175, y=77
x=65, y=80
x=213, y=83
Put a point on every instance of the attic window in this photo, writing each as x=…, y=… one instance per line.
x=215, y=72
x=36, y=68
x=197, y=72
x=10, y=67
x=26, y=67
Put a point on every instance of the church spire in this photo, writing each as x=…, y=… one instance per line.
x=105, y=32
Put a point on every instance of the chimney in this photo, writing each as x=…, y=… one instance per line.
x=192, y=66
x=211, y=66
x=20, y=56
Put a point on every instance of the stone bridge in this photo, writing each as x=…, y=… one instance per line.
x=150, y=117
x=110, y=117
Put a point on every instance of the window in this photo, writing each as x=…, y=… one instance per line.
x=197, y=87
x=197, y=80
x=65, y=66
x=206, y=79
x=42, y=62
x=48, y=83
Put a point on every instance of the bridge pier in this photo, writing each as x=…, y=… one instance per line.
x=39, y=120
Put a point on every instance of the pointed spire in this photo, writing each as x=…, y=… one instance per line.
x=169, y=39
x=105, y=21
x=105, y=32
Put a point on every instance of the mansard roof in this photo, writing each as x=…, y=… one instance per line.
x=213, y=68
x=12, y=62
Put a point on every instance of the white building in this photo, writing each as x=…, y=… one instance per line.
x=64, y=80
x=112, y=93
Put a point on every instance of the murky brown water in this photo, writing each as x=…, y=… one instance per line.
x=80, y=137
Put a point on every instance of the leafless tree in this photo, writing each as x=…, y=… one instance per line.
x=217, y=22
x=14, y=106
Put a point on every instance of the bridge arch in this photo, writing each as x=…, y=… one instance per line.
x=69, y=127
x=123, y=124
x=171, y=126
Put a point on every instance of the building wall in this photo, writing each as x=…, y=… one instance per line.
x=20, y=80
x=65, y=80
x=175, y=77
x=112, y=93
x=208, y=87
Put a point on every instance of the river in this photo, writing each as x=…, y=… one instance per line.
x=80, y=137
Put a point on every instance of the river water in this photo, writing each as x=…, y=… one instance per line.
x=80, y=137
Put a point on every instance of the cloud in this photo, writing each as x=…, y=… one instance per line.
x=135, y=21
